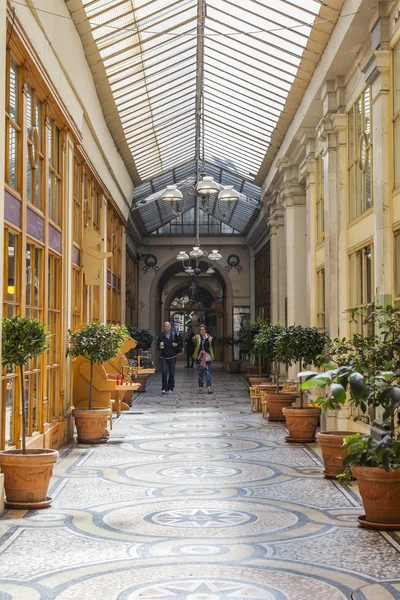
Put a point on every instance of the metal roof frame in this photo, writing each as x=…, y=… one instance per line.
x=259, y=56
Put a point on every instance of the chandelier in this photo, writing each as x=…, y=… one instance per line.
x=205, y=186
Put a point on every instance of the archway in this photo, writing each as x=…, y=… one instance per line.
x=171, y=279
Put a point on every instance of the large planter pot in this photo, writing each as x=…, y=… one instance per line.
x=302, y=423
x=142, y=381
x=270, y=388
x=276, y=402
x=333, y=453
x=27, y=477
x=258, y=379
x=251, y=370
x=380, y=493
x=234, y=366
x=91, y=425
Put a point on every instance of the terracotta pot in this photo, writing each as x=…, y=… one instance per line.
x=276, y=402
x=380, y=493
x=302, y=423
x=27, y=477
x=251, y=370
x=333, y=453
x=269, y=387
x=91, y=425
x=258, y=379
x=142, y=381
x=234, y=366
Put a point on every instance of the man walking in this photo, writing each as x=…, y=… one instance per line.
x=168, y=343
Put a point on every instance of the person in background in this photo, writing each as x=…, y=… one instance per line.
x=203, y=355
x=190, y=345
x=168, y=344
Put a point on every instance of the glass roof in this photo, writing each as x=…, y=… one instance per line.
x=255, y=50
x=153, y=214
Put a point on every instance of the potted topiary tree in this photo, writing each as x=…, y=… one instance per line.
x=97, y=343
x=254, y=373
x=305, y=346
x=267, y=344
x=144, y=338
x=27, y=472
x=364, y=354
x=375, y=464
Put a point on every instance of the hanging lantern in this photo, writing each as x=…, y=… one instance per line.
x=210, y=271
x=205, y=188
x=189, y=271
x=215, y=255
x=197, y=252
x=229, y=196
x=182, y=256
x=174, y=196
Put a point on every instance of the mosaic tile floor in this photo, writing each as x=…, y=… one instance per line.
x=194, y=498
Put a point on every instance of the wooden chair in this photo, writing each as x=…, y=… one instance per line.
x=264, y=404
x=255, y=398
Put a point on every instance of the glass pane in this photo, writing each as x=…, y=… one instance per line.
x=50, y=195
x=56, y=149
x=29, y=109
x=368, y=190
x=56, y=211
x=29, y=178
x=367, y=114
x=12, y=265
x=38, y=178
x=368, y=275
x=12, y=157
x=37, y=277
x=50, y=143
x=29, y=248
x=351, y=136
x=9, y=393
x=13, y=100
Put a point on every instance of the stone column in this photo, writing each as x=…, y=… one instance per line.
x=3, y=36
x=278, y=265
x=307, y=177
x=294, y=200
x=377, y=74
x=333, y=102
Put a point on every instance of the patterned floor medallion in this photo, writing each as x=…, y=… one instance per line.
x=195, y=498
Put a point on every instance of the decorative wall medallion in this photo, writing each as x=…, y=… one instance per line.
x=233, y=262
x=150, y=262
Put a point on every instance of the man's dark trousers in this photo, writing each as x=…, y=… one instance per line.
x=168, y=373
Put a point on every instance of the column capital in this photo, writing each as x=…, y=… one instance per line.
x=333, y=96
x=293, y=194
x=326, y=133
x=307, y=171
x=378, y=64
x=306, y=138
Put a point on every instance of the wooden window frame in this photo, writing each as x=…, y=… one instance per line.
x=359, y=140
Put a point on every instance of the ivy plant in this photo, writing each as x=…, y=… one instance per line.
x=97, y=343
x=22, y=339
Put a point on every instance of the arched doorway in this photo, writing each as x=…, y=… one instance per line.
x=191, y=305
x=211, y=302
